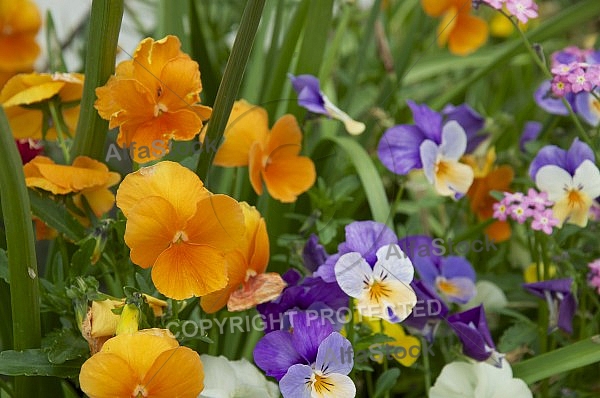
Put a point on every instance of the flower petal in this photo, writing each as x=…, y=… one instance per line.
x=351, y=271
x=275, y=354
x=107, y=366
x=335, y=355
x=469, y=33
x=428, y=151
x=394, y=264
x=454, y=141
x=177, y=372
x=296, y=382
x=552, y=179
x=587, y=176
x=398, y=148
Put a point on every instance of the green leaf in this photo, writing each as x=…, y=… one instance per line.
x=54, y=50
x=386, y=381
x=521, y=333
x=369, y=177
x=366, y=342
x=574, y=356
x=4, y=266
x=56, y=216
x=34, y=362
x=64, y=345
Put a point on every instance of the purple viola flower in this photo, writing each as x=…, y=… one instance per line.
x=313, y=253
x=472, y=329
x=399, y=147
x=453, y=277
x=312, y=98
x=588, y=107
x=531, y=131
x=547, y=101
x=364, y=237
x=567, y=160
x=310, y=294
x=306, y=359
x=428, y=313
x=561, y=302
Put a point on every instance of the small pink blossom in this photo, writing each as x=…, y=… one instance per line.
x=537, y=200
x=522, y=9
x=579, y=81
x=594, y=275
x=500, y=211
x=544, y=221
x=562, y=69
x=510, y=198
x=519, y=212
x=560, y=86
x=497, y=4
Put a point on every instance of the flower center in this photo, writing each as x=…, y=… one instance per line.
x=441, y=168
x=159, y=109
x=320, y=383
x=446, y=287
x=139, y=392
x=377, y=290
x=575, y=199
x=180, y=236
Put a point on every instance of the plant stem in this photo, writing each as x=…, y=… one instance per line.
x=22, y=262
x=232, y=79
x=60, y=132
x=426, y=365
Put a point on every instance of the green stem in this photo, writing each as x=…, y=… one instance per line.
x=22, y=263
x=426, y=365
x=105, y=24
x=60, y=132
x=232, y=79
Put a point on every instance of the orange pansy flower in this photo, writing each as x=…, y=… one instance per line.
x=20, y=21
x=152, y=98
x=86, y=177
x=179, y=228
x=248, y=284
x=271, y=156
x=489, y=178
x=463, y=32
x=146, y=363
x=31, y=89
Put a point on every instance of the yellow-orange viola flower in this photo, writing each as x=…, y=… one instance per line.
x=404, y=348
x=153, y=98
x=179, y=228
x=248, y=284
x=20, y=21
x=272, y=156
x=463, y=32
x=24, y=95
x=489, y=178
x=148, y=363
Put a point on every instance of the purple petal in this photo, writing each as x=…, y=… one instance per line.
x=545, y=100
x=366, y=237
x=566, y=312
x=553, y=286
x=313, y=254
x=584, y=104
x=326, y=271
x=309, y=93
x=469, y=120
x=275, y=353
x=335, y=355
x=430, y=309
x=466, y=290
x=548, y=155
x=531, y=131
x=296, y=382
x=429, y=156
x=292, y=277
x=593, y=57
x=577, y=153
x=455, y=267
x=472, y=330
x=428, y=121
x=398, y=148
x=427, y=269
x=308, y=332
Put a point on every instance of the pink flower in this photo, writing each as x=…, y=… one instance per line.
x=537, y=200
x=544, y=221
x=519, y=212
x=560, y=86
x=522, y=9
x=500, y=211
x=497, y=4
x=516, y=197
x=594, y=275
x=562, y=69
x=579, y=81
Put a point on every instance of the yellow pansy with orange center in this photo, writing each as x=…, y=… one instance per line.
x=179, y=228
x=86, y=178
x=20, y=21
x=463, y=32
x=153, y=98
x=146, y=363
x=488, y=178
x=25, y=94
x=248, y=284
x=272, y=156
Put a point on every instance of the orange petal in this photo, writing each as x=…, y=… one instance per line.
x=468, y=35
x=435, y=8
x=286, y=178
x=76, y=177
x=180, y=82
x=255, y=167
x=101, y=201
x=25, y=123
x=186, y=270
x=498, y=231
x=107, y=375
x=237, y=267
x=218, y=222
x=182, y=124
x=446, y=26
x=285, y=137
x=151, y=227
x=150, y=58
x=32, y=94
x=247, y=124
x=258, y=289
x=124, y=100
x=256, y=239
x=169, y=180
x=175, y=373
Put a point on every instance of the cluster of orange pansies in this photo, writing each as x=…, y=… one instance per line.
x=463, y=32
x=248, y=284
x=85, y=178
x=25, y=92
x=153, y=98
x=179, y=228
x=271, y=156
x=19, y=23
x=145, y=363
x=488, y=178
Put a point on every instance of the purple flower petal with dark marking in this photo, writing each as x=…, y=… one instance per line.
x=561, y=302
x=471, y=328
x=428, y=312
x=568, y=160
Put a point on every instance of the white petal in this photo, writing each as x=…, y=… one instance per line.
x=393, y=263
x=457, y=380
x=352, y=126
x=454, y=141
x=588, y=176
x=552, y=179
x=351, y=272
x=429, y=156
x=215, y=386
x=341, y=387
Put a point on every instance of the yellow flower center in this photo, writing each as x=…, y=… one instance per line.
x=596, y=105
x=250, y=274
x=441, y=168
x=320, y=383
x=377, y=290
x=575, y=199
x=159, y=109
x=447, y=287
x=180, y=236
x=139, y=392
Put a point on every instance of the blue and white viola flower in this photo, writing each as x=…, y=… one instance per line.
x=588, y=107
x=382, y=291
x=441, y=162
x=570, y=178
x=312, y=98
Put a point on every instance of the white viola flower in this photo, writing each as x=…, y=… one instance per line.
x=383, y=291
x=234, y=379
x=572, y=195
x=478, y=380
x=441, y=162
